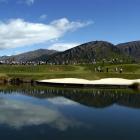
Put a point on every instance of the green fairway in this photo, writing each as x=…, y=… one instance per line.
x=130, y=71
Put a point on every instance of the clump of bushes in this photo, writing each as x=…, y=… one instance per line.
x=135, y=86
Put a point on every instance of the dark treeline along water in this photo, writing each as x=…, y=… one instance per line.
x=44, y=113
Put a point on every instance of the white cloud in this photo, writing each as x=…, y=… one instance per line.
x=3, y=1
x=28, y=2
x=18, y=114
x=62, y=46
x=43, y=17
x=19, y=33
x=62, y=101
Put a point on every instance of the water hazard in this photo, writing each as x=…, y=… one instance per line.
x=41, y=113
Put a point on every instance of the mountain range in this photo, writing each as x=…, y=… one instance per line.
x=88, y=53
x=84, y=53
x=131, y=49
x=28, y=56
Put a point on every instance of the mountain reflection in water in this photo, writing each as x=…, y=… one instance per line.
x=93, y=98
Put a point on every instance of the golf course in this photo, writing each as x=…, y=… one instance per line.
x=89, y=72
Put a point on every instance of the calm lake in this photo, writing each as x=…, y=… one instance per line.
x=41, y=113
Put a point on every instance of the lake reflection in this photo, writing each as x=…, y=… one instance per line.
x=40, y=113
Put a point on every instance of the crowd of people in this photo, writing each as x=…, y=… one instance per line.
x=107, y=69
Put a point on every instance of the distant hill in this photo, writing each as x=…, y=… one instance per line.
x=28, y=56
x=87, y=53
x=131, y=49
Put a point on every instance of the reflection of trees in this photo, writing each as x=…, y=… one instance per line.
x=93, y=98
x=130, y=101
x=107, y=99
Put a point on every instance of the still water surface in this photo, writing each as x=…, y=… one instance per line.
x=68, y=114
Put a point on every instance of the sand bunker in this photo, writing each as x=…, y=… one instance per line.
x=105, y=81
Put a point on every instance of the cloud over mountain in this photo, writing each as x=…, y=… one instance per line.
x=62, y=46
x=19, y=33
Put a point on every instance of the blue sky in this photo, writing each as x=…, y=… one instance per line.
x=27, y=25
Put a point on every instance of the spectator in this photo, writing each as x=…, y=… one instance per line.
x=121, y=69
x=116, y=69
x=107, y=69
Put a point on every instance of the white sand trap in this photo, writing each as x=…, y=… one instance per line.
x=106, y=81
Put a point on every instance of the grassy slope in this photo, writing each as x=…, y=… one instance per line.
x=131, y=71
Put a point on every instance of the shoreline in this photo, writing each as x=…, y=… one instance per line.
x=78, y=83
x=102, y=83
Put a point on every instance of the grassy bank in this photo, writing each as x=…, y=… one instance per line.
x=130, y=71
